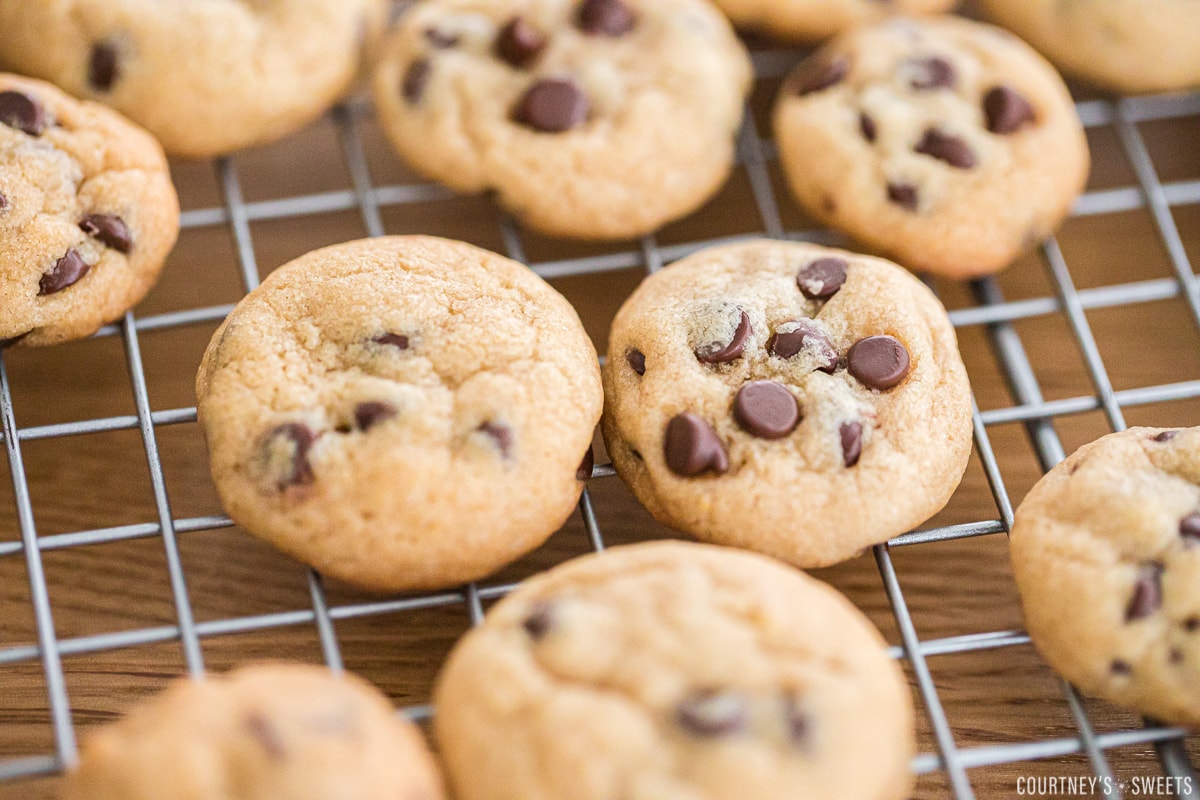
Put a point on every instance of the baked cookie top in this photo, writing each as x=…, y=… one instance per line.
x=401, y=412
x=87, y=214
x=674, y=671
x=788, y=398
x=595, y=119
x=809, y=20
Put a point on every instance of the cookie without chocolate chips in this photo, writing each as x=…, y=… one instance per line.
x=787, y=398
x=672, y=671
x=948, y=145
x=1124, y=45
x=401, y=412
x=269, y=730
x=1106, y=553
x=593, y=119
x=87, y=214
x=204, y=76
x=809, y=20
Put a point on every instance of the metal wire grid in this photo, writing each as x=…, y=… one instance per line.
x=993, y=311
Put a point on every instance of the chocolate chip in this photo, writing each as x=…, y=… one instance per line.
x=67, y=271
x=799, y=727
x=584, y=471
x=1166, y=436
x=539, y=620
x=792, y=337
x=299, y=437
x=3, y=202
x=878, y=362
x=1191, y=624
x=416, y=78
x=397, y=340
x=1176, y=655
x=711, y=714
x=22, y=112
x=606, y=17
x=1189, y=529
x=867, y=125
x=946, y=147
x=1147, y=593
x=903, y=195
x=766, y=409
x=636, y=360
x=501, y=434
x=1120, y=667
x=267, y=736
x=724, y=352
x=818, y=73
x=552, y=105
x=1006, y=110
x=691, y=447
x=103, y=69
x=519, y=42
x=441, y=39
x=369, y=414
x=851, y=435
x=822, y=279
x=110, y=229
x=933, y=73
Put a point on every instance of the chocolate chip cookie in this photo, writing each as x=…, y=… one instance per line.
x=401, y=412
x=87, y=214
x=673, y=670
x=269, y=730
x=594, y=119
x=204, y=76
x=787, y=398
x=1106, y=553
x=946, y=144
x=809, y=20
x=1124, y=45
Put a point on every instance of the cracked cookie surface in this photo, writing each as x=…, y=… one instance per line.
x=88, y=214
x=809, y=20
x=594, y=119
x=269, y=730
x=788, y=398
x=674, y=671
x=947, y=145
x=1106, y=554
x=401, y=412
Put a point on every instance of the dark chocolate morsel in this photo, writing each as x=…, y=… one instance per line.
x=301, y=439
x=539, y=620
x=766, y=409
x=110, y=229
x=1120, y=667
x=903, y=194
x=691, y=447
x=867, y=126
x=799, y=726
x=851, y=436
x=1147, y=593
x=1191, y=624
x=711, y=713
x=3, y=202
x=501, y=434
x=552, y=105
x=878, y=362
x=20, y=111
x=67, y=271
x=103, y=66
x=1166, y=436
x=372, y=412
x=933, y=73
x=636, y=360
x=519, y=43
x=792, y=337
x=723, y=352
x=397, y=340
x=1006, y=111
x=823, y=278
x=416, y=78
x=818, y=73
x=1189, y=528
x=606, y=17
x=946, y=147
x=584, y=471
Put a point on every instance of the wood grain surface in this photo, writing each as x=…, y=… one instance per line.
x=101, y=480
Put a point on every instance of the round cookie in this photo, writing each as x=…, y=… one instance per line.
x=810, y=20
x=263, y=731
x=678, y=671
x=945, y=144
x=1106, y=554
x=787, y=398
x=88, y=214
x=1123, y=45
x=402, y=412
x=593, y=119
x=205, y=76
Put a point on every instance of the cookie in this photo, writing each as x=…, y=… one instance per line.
x=787, y=398
x=87, y=214
x=1123, y=45
x=401, y=412
x=593, y=119
x=205, y=76
x=667, y=671
x=946, y=144
x=1106, y=554
x=268, y=730
x=811, y=20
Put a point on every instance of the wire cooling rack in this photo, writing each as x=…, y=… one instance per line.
x=991, y=311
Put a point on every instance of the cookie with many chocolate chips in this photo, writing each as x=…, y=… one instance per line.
x=401, y=412
x=674, y=671
x=787, y=398
x=1106, y=554
x=810, y=20
x=204, y=76
x=87, y=214
x=267, y=730
x=948, y=145
x=593, y=119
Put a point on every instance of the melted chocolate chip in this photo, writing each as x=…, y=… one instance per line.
x=878, y=362
x=946, y=147
x=868, y=128
x=369, y=414
x=501, y=434
x=766, y=409
x=539, y=620
x=552, y=105
x=793, y=337
x=1166, y=436
x=300, y=438
x=818, y=73
x=903, y=194
x=1191, y=624
x=606, y=18
x=397, y=340
x=1006, y=111
x=691, y=447
x=20, y=111
x=1189, y=529
x=110, y=229
x=636, y=360
x=67, y=271
x=584, y=470
x=851, y=436
x=823, y=278
x=712, y=714
x=416, y=78
x=267, y=736
x=441, y=39
x=1119, y=667
x=1147, y=593
x=799, y=727
x=519, y=43
x=724, y=352
x=933, y=73
x=103, y=66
